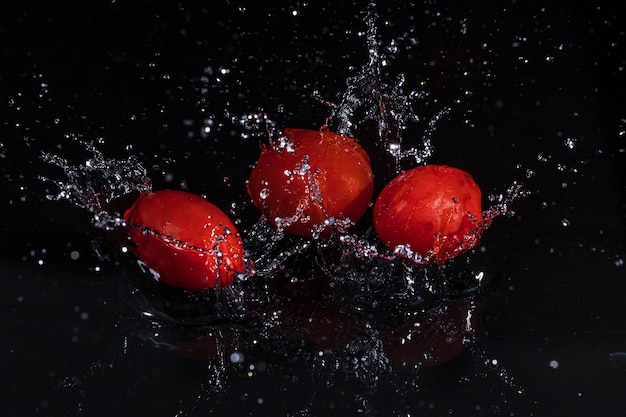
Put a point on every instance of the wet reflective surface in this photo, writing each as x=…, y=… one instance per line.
x=531, y=323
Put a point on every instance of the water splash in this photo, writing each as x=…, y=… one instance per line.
x=343, y=304
x=369, y=101
x=97, y=182
x=353, y=259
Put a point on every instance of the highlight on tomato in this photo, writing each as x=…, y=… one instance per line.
x=184, y=240
x=433, y=211
x=306, y=181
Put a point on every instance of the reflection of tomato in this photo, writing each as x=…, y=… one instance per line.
x=185, y=240
x=323, y=328
x=439, y=336
x=434, y=209
x=213, y=345
x=310, y=177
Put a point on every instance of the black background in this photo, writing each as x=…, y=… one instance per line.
x=129, y=76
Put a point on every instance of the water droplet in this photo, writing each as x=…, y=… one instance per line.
x=570, y=143
x=237, y=357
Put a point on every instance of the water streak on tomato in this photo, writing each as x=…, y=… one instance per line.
x=308, y=180
x=433, y=210
x=185, y=240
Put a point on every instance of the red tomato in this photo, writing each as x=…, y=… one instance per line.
x=435, y=209
x=185, y=240
x=310, y=177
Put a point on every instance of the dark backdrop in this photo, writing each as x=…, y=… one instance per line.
x=537, y=92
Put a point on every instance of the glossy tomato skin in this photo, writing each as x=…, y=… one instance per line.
x=186, y=240
x=432, y=208
x=309, y=178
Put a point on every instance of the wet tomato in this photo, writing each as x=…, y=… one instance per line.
x=309, y=179
x=433, y=210
x=185, y=240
